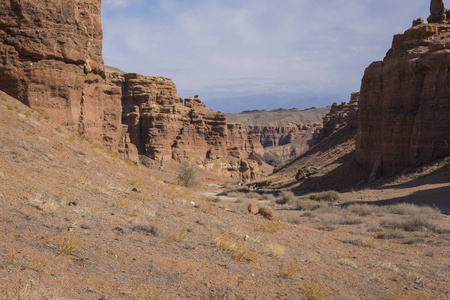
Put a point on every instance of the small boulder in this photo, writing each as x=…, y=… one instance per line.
x=253, y=209
x=267, y=212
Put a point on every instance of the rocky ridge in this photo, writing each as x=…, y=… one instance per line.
x=405, y=100
x=339, y=116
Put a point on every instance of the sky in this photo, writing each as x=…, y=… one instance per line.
x=255, y=54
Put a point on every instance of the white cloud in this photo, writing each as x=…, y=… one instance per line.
x=222, y=48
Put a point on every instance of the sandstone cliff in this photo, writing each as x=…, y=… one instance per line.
x=404, y=106
x=51, y=60
x=163, y=126
x=338, y=117
x=284, y=133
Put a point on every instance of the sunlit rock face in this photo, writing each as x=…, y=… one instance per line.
x=51, y=60
x=404, y=106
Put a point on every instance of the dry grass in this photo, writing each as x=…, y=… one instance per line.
x=348, y=263
x=145, y=292
x=271, y=227
x=331, y=196
x=400, y=294
x=179, y=235
x=31, y=291
x=363, y=210
x=68, y=244
x=234, y=247
x=37, y=264
x=313, y=289
x=412, y=223
x=274, y=250
x=289, y=269
x=286, y=197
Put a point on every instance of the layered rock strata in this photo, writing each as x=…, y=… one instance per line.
x=163, y=126
x=51, y=60
x=404, y=106
x=339, y=116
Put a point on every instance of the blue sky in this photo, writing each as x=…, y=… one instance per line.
x=255, y=54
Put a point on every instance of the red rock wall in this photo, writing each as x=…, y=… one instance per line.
x=404, y=106
x=339, y=116
x=51, y=60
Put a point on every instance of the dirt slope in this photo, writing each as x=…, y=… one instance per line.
x=77, y=223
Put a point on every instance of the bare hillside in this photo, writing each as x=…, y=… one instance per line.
x=77, y=223
x=280, y=117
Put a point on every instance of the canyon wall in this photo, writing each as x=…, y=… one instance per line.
x=404, y=105
x=51, y=60
x=340, y=116
x=163, y=126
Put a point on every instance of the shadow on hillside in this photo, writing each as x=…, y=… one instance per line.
x=339, y=137
x=348, y=175
x=438, y=197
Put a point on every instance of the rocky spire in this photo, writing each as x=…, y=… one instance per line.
x=437, y=12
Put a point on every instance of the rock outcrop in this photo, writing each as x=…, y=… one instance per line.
x=404, y=105
x=51, y=60
x=338, y=117
x=163, y=126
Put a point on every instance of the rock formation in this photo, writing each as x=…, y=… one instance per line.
x=338, y=117
x=404, y=105
x=51, y=60
x=163, y=126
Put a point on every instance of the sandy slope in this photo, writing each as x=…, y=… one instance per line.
x=134, y=231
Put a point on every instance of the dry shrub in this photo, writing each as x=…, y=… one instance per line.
x=348, y=263
x=36, y=264
x=274, y=250
x=306, y=204
x=68, y=244
x=228, y=243
x=413, y=210
x=286, y=197
x=400, y=294
x=252, y=195
x=313, y=290
x=145, y=292
x=289, y=269
x=343, y=218
x=146, y=229
x=31, y=291
x=271, y=226
x=412, y=223
x=179, y=235
x=364, y=209
x=390, y=234
x=331, y=196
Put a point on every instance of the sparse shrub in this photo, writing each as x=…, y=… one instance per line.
x=179, y=235
x=268, y=197
x=348, y=263
x=401, y=294
x=274, y=250
x=9, y=107
x=286, y=197
x=306, y=204
x=121, y=203
x=145, y=292
x=186, y=175
x=146, y=229
x=288, y=269
x=412, y=223
x=35, y=264
x=363, y=210
x=414, y=210
x=231, y=245
x=68, y=244
x=9, y=260
x=31, y=291
x=390, y=234
x=331, y=196
x=313, y=290
x=252, y=195
x=206, y=206
x=58, y=147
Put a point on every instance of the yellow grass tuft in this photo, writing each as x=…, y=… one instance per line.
x=274, y=250
x=145, y=292
x=271, y=227
x=68, y=245
x=289, y=269
x=230, y=244
x=313, y=290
